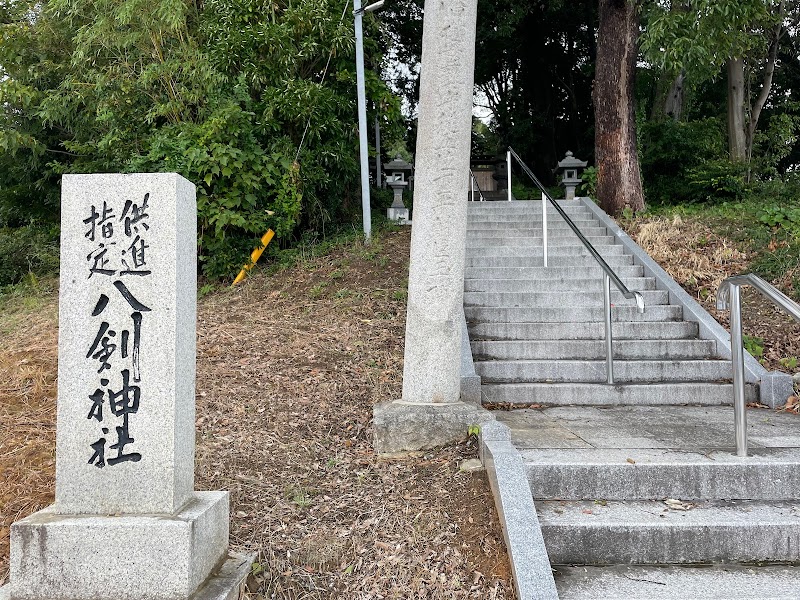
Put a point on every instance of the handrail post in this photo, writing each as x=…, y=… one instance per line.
x=737, y=360
x=508, y=173
x=609, y=336
x=544, y=228
x=471, y=186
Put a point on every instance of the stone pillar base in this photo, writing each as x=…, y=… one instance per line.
x=127, y=557
x=399, y=215
x=775, y=389
x=401, y=427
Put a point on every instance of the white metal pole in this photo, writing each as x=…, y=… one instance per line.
x=609, y=335
x=362, y=122
x=508, y=173
x=471, y=187
x=737, y=359
x=544, y=228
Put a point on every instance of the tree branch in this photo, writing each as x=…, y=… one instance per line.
x=766, y=85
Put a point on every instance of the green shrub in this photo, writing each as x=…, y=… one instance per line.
x=589, y=185
x=29, y=249
x=381, y=199
x=715, y=181
x=785, y=217
x=674, y=156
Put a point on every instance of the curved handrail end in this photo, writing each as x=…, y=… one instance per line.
x=639, y=302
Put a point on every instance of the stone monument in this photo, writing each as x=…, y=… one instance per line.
x=126, y=523
x=431, y=412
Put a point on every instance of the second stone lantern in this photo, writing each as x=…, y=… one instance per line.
x=570, y=170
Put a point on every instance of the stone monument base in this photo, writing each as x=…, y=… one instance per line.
x=408, y=427
x=399, y=215
x=126, y=557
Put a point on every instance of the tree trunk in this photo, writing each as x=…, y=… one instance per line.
x=674, y=103
x=766, y=85
x=736, y=130
x=619, y=181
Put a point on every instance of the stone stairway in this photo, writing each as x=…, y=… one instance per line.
x=636, y=474
x=537, y=333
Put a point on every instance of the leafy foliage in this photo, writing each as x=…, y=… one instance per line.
x=253, y=101
x=24, y=250
x=700, y=36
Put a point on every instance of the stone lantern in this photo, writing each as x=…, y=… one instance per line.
x=569, y=169
x=398, y=170
x=397, y=211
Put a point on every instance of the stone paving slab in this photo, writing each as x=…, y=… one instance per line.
x=655, y=474
x=693, y=428
x=728, y=582
x=652, y=532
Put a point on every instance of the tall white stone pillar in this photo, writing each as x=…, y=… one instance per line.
x=431, y=412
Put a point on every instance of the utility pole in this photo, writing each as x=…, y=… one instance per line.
x=358, y=13
x=378, y=149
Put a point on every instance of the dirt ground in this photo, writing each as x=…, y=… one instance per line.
x=288, y=368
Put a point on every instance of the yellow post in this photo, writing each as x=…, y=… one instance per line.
x=254, y=256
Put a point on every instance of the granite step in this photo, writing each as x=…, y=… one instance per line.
x=558, y=256
x=532, y=225
x=684, y=582
x=563, y=299
x=601, y=394
x=574, y=284
x=585, y=371
x=546, y=274
x=659, y=473
x=588, y=229
x=562, y=240
x=527, y=258
x=524, y=207
x=528, y=219
x=583, y=331
x=493, y=314
x=650, y=532
x=566, y=250
x=593, y=350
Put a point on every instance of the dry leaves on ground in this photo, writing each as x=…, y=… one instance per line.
x=288, y=369
x=28, y=343
x=699, y=260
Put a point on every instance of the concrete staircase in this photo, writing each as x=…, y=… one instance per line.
x=537, y=333
x=636, y=474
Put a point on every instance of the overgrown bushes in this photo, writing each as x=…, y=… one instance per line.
x=253, y=102
x=28, y=249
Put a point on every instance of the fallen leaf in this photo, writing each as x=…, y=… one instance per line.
x=678, y=504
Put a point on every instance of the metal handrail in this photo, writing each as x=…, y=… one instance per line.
x=474, y=185
x=608, y=273
x=729, y=297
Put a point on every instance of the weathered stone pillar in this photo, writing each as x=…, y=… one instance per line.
x=432, y=371
x=430, y=412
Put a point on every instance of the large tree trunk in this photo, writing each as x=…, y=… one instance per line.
x=737, y=147
x=619, y=181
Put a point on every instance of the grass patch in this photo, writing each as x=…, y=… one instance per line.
x=765, y=233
